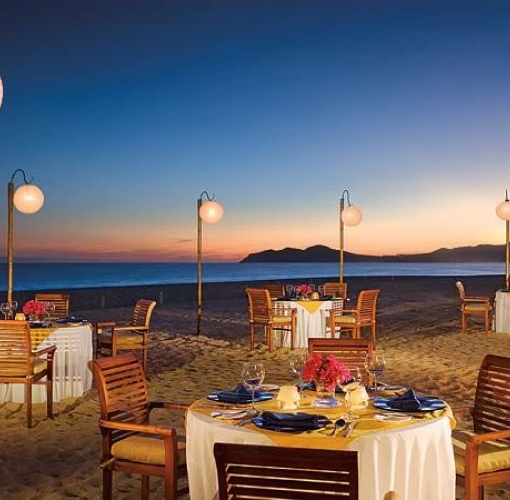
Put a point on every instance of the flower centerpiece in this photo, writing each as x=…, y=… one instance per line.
x=327, y=372
x=303, y=290
x=34, y=309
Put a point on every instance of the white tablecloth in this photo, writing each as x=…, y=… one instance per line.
x=309, y=324
x=416, y=461
x=71, y=376
x=502, y=313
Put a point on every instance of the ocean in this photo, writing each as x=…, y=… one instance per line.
x=51, y=276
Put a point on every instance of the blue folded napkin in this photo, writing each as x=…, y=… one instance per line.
x=298, y=421
x=239, y=394
x=71, y=319
x=406, y=402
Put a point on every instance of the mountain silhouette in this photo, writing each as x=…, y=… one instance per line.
x=321, y=253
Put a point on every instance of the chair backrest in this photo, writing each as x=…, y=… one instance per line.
x=61, y=301
x=367, y=305
x=461, y=289
x=281, y=473
x=142, y=312
x=276, y=290
x=15, y=349
x=259, y=305
x=122, y=390
x=336, y=289
x=351, y=352
x=492, y=397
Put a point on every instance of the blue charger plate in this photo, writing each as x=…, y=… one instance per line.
x=261, y=423
x=261, y=396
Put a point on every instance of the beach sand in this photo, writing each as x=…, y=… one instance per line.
x=418, y=329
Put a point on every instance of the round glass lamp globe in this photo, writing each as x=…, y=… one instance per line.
x=211, y=211
x=503, y=210
x=28, y=199
x=351, y=216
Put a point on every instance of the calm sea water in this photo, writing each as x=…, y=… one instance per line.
x=47, y=276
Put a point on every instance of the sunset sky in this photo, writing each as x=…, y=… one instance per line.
x=125, y=111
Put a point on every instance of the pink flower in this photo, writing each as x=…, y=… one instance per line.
x=303, y=289
x=35, y=307
x=327, y=369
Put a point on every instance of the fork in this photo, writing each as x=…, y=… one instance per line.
x=338, y=425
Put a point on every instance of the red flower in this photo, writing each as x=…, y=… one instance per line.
x=327, y=369
x=33, y=306
x=303, y=289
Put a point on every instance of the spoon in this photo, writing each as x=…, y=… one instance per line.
x=228, y=414
x=338, y=425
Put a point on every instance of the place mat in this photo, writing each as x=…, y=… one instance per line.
x=290, y=422
x=239, y=395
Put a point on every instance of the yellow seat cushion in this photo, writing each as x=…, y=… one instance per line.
x=147, y=450
x=494, y=455
x=129, y=338
x=282, y=319
x=475, y=308
x=39, y=365
x=345, y=320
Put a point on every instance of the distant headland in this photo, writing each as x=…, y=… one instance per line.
x=321, y=253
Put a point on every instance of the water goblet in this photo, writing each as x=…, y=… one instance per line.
x=49, y=309
x=289, y=290
x=4, y=307
x=320, y=289
x=253, y=374
x=375, y=365
x=349, y=386
x=297, y=361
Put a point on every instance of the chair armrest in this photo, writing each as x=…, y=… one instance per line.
x=147, y=429
x=119, y=327
x=461, y=410
x=50, y=350
x=477, y=299
x=100, y=325
x=168, y=405
x=478, y=439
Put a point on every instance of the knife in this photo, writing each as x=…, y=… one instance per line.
x=349, y=429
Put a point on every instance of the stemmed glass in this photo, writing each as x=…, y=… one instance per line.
x=49, y=309
x=253, y=375
x=289, y=289
x=349, y=386
x=298, y=359
x=4, y=307
x=375, y=364
x=320, y=289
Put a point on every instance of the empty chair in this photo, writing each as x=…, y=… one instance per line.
x=272, y=319
x=275, y=472
x=351, y=352
x=130, y=443
x=334, y=289
x=482, y=455
x=19, y=364
x=473, y=306
x=115, y=336
x=276, y=290
x=364, y=315
x=61, y=302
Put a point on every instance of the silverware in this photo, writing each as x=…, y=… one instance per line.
x=349, y=429
x=338, y=425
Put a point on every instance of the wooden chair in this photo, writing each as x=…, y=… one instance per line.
x=276, y=472
x=473, y=306
x=19, y=364
x=273, y=319
x=61, y=301
x=482, y=456
x=336, y=290
x=364, y=315
x=130, y=443
x=115, y=336
x=276, y=290
x=352, y=352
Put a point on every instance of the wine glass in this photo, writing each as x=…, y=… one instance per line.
x=289, y=289
x=298, y=359
x=253, y=375
x=375, y=364
x=349, y=386
x=49, y=309
x=4, y=307
x=14, y=307
x=320, y=289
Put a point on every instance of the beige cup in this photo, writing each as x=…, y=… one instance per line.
x=19, y=317
x=358, y=398
x=288, y=397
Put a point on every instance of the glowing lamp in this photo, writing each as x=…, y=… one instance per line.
x=351, y=216
x=28, y=199
x=211, y=211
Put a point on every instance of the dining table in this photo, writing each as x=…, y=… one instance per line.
x=410, y=453
x=71, y=376
x=311, y=316
x=502, y=311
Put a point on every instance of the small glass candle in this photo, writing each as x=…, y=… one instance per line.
x=288, y=397
x=19, y=317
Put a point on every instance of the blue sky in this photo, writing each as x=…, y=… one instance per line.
x=124, y=112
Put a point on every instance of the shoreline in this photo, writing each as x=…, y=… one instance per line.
x=124, y=296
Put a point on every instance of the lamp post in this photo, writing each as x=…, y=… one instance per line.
x=350, y=216
x=209, y=211
x=503, y=212
x=28, y=199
